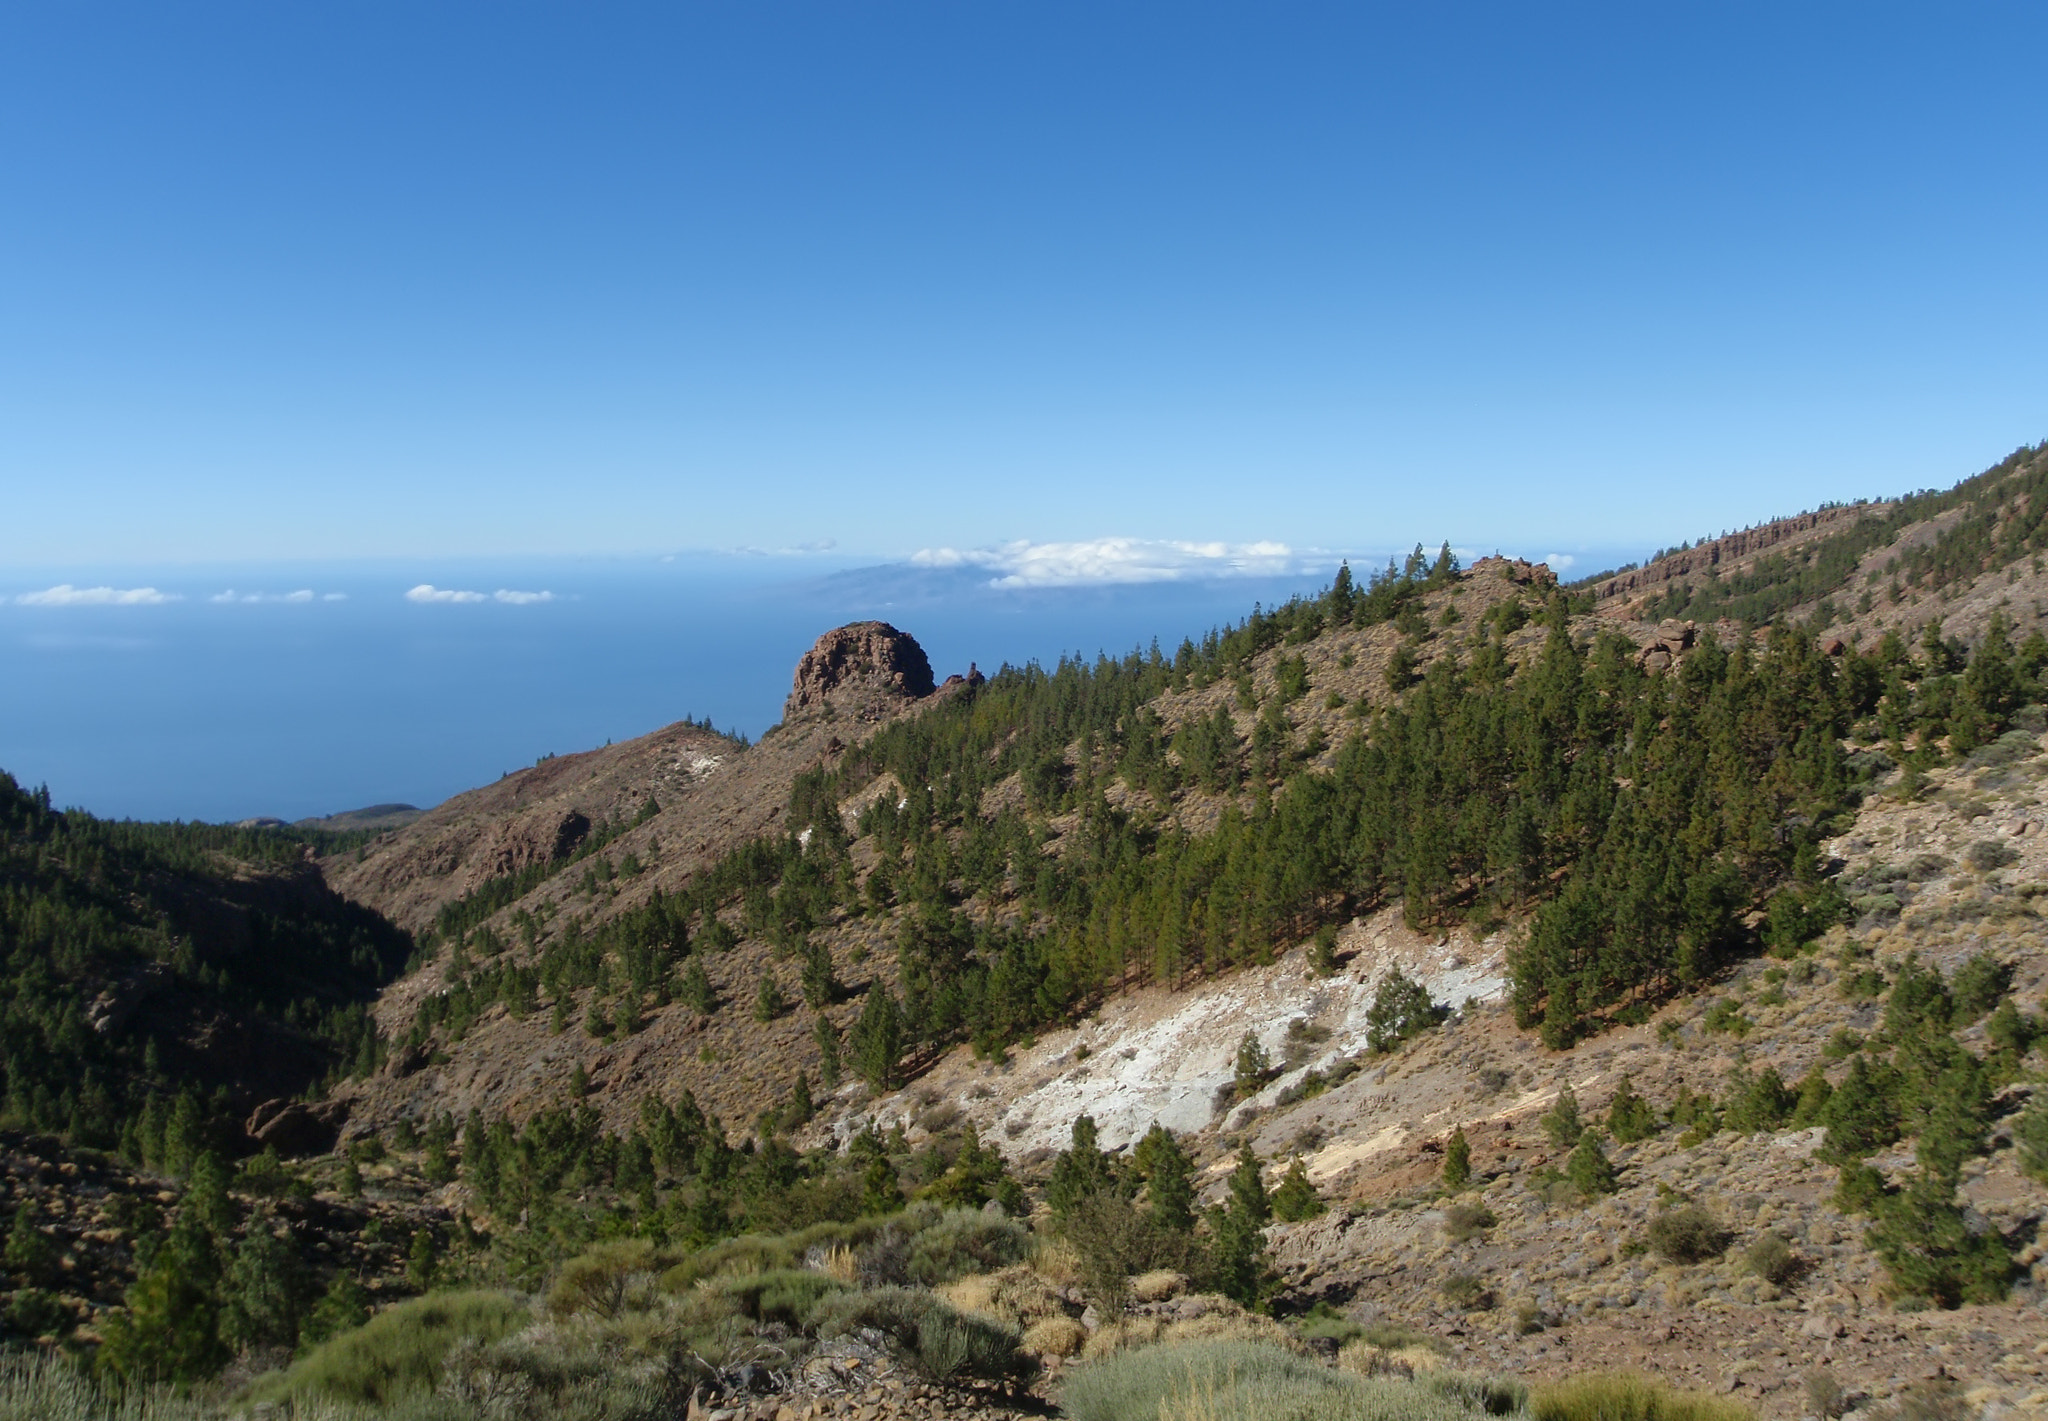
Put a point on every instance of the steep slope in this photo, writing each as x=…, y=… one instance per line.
x=1856, y=571
x=147, y=964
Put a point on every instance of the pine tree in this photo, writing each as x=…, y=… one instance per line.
x=1238, y=1250
x=1589, y=1169
x=769, y=1002
x=1296, y=1199
x=826, y=1035
x=1169, y=1180
x=264, y=1290
x=878, y=1039
x=695, y=991
x=1457, y=1161
x=1253, y=1065
x=1630, y=1117
x=1080, y=1172
x=821, y=987
x=29, y=1254
x=423, y=1261
x=1561, y=1123
x=1248, y=1198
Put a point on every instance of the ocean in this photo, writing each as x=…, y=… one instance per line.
x=223, y=693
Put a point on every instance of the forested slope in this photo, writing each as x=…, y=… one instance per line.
x=161, y=979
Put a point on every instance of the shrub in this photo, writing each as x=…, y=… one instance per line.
x=1055, y=1337
x=398, y=1352
x=1772, y=1259
x=1936, y=1399
x=1979, y=985
x=1322, y=1320
x=930, y=1336
x=1988, y=854
x=1630, y=1117
x=966, y=1241
x=1018, y=1296
x=784, y=1295
x=1114, y=1242
x=1457, y=1160
x=1462, y=1290
x=1400, y=1008
x=1625, y=1396
x=45, y=1387
x=1687, y=1234
x=1824, y=1395
x=1467, y=1221
x=602, y=1280
x=1226, y=1381
x=1209, y=1317
x=1725, y=1016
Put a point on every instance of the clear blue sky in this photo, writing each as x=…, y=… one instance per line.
x=319, y=281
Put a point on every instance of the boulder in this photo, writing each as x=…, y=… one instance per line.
x=295, y=1129
x=873, y=655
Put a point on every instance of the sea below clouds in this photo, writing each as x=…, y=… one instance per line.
x=298, y=691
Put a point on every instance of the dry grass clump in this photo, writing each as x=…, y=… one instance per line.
x=1016, y=1295
x=1368, y=1359
x=1055, y=1337
x=1628, y=1396
x=1241, y=1381
x=1220, y=1320
x=1158, y=1285
x=1057, y=1261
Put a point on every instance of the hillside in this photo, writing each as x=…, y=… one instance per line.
x=1355, y=915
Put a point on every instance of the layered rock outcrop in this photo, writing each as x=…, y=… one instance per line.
x=874, y=655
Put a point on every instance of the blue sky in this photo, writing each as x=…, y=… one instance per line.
x=400, y=280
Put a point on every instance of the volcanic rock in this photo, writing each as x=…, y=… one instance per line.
x=870, y=653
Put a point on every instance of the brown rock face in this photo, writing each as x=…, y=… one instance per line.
x=295, y=1129
x=873, y=653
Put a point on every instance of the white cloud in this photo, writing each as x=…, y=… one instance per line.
x=522, y=599
x=334, y=597
x=427, y=592
x=304, y=594
x=1559, y=562
x=65, y=595
x=1113, y=560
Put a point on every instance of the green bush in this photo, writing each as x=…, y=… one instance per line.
x=966, y=1241
x=929, y=1335
x=1630, y=1117
x=1979, y=985
x=1772, y=1259
x=1252, y=1381
x=1467, y=1221
x=601, y=1281
x=1462, y=1290
x=1687, y=1234
x=398, y=1352
x=1625, y=1396
x=786, y=1295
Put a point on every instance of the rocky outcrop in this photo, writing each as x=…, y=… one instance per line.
x=541, y=838
x=1519, y=571
x=870, y=654
x=1672, y=640
x=295, y=1129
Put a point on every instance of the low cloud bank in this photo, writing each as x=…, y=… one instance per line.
x=65, y=595
x=427, y=592
x=304, y=594
x=1102, y=561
